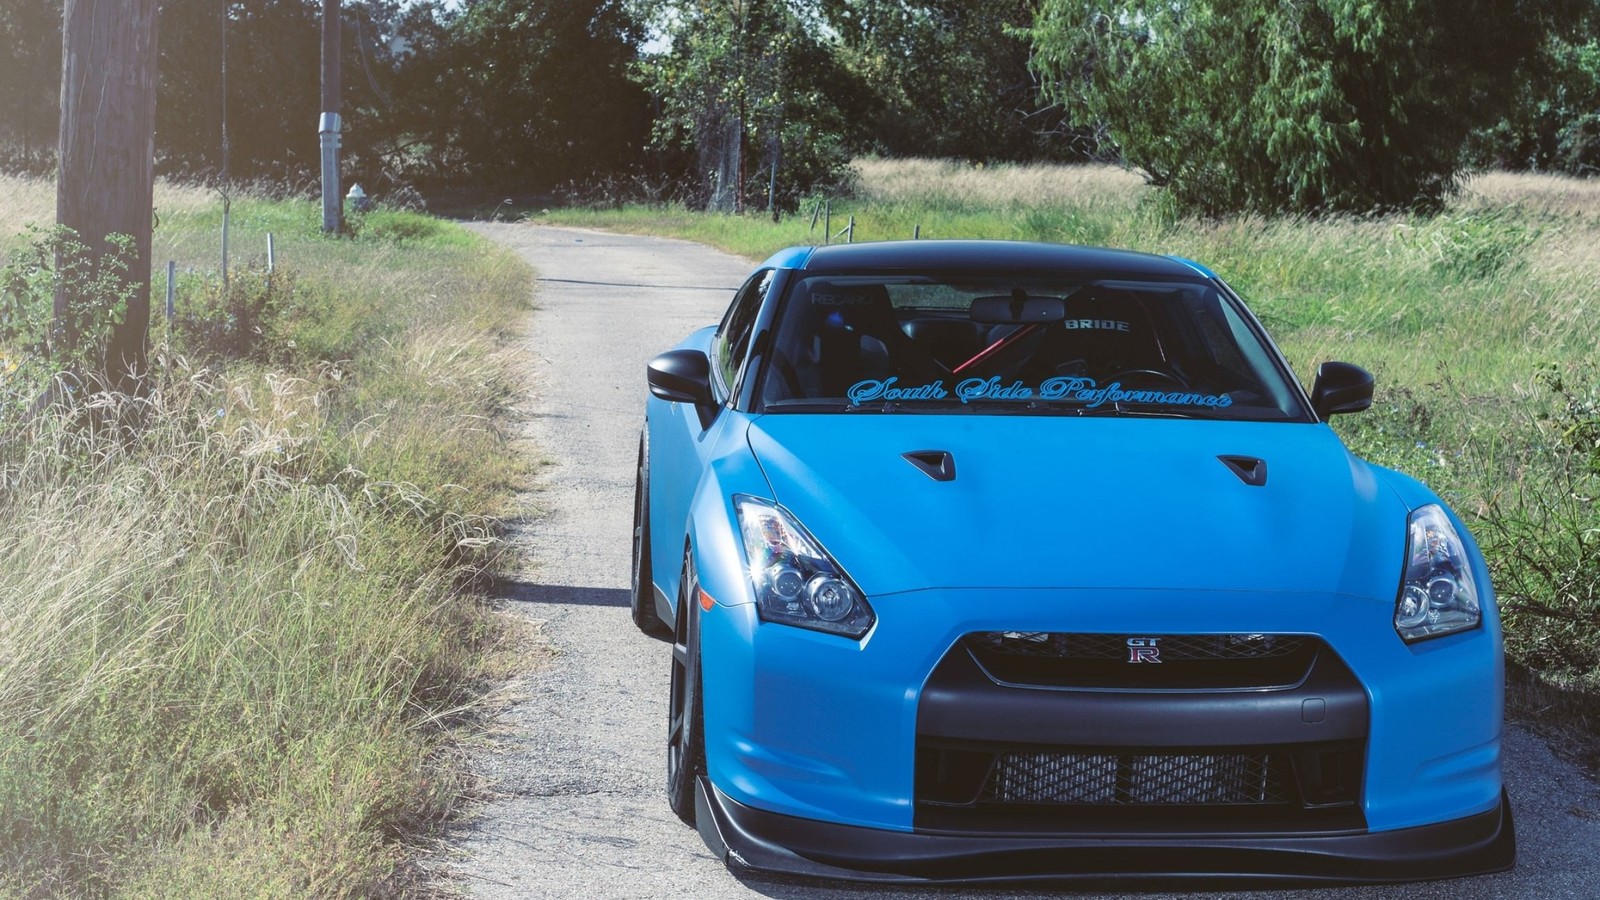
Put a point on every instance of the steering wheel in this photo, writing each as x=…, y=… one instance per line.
x=1153, y=373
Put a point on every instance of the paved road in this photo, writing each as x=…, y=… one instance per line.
x=581, y=811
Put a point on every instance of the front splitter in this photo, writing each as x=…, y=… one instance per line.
x=759, y=841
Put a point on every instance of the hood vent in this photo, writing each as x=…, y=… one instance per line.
x=936, y=464
x=1251, y=471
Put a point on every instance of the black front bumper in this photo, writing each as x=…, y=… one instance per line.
x=751, y=839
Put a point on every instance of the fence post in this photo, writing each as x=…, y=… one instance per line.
x=172, y=277
x=227, y=203
x=827, y=221
x=850, y=232
x=272, y=255
x=916, y=232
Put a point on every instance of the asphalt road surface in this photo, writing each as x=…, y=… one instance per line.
x=578, y=770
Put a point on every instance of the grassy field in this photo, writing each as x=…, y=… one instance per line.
x=1482, y=325
x=238, y=643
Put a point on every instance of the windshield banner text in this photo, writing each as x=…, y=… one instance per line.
x=1075, y=389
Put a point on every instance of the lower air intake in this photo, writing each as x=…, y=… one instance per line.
x=1223, y=779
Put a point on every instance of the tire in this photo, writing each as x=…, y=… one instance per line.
x=643, y=594
x=686, y=741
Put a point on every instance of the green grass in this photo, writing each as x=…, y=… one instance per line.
x=239, y=641
x=1480, y=324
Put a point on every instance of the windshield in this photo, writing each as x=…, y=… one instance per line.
x=994, y=343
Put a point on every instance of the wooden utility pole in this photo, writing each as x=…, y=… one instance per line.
x=329, y=126
x=106, y=177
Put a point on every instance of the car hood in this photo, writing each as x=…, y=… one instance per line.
x=1067, y=502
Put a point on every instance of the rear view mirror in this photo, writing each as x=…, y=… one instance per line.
x=1341, y=388
x=1017, y=309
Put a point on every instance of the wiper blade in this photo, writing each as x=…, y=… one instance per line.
x=1118, y=410
x=804, y=405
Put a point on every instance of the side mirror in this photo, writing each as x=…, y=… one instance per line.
x=683, y=376
x=1341, y=388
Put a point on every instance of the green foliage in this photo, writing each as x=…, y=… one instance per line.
x=515, y=94
x=747, y=86
x=1469, y=245
x=1555, y=123
x=949, y=78
x=40, y=345
x=1340, y=105
x=30, y=73
x=1542, y=533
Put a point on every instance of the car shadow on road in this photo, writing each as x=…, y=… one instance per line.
x=783, y=888
x=565, y=594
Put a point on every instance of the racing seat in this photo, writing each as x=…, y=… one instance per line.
x=1106, y=331
x=858, y=338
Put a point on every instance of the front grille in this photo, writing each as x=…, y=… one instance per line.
x=1150, y=662
x=970, y=786
x=1210, y=779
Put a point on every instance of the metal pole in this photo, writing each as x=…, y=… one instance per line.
x=827, y=221
x=227, y=148
x=227, y=203
x=772, y=181
x=172, y=277
x=328, y=126
x=850, y=232
x=916, y=233
x=272, y=256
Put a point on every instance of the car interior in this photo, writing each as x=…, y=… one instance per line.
x=837, y=332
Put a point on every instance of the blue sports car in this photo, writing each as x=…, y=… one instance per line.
x=1000, y=561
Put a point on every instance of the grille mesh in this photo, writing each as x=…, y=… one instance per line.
x=1217, y=779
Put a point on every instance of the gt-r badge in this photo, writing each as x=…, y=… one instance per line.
x=1143, y=650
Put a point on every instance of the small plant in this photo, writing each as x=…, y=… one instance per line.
x=1544, y=537
x=58, y=303
x=231, y=321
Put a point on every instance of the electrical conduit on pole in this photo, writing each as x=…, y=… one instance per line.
x=328, y=126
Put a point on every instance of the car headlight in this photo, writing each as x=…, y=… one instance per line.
x=1437, y=594
x=796, y=582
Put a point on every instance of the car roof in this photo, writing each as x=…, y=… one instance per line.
x=979, y=256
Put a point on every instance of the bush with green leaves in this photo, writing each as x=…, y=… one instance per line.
x=37, y=344
x=1256, y=105
x=1542, y=532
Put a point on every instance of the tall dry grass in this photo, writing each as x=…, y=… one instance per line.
x=28, y=202
x=234, y=638
x=939, y=182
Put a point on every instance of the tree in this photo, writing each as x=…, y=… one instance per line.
x=951, y=78
x=517, y=94
x=1555, y=123
x=30, y=69
x=106, y=173
x=1314, y=106
x=745, y=77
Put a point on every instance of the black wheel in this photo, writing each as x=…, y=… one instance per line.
x=686, y=741
x=643, y=597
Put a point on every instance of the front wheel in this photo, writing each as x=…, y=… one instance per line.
x=686, y=741
x=643, y=595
